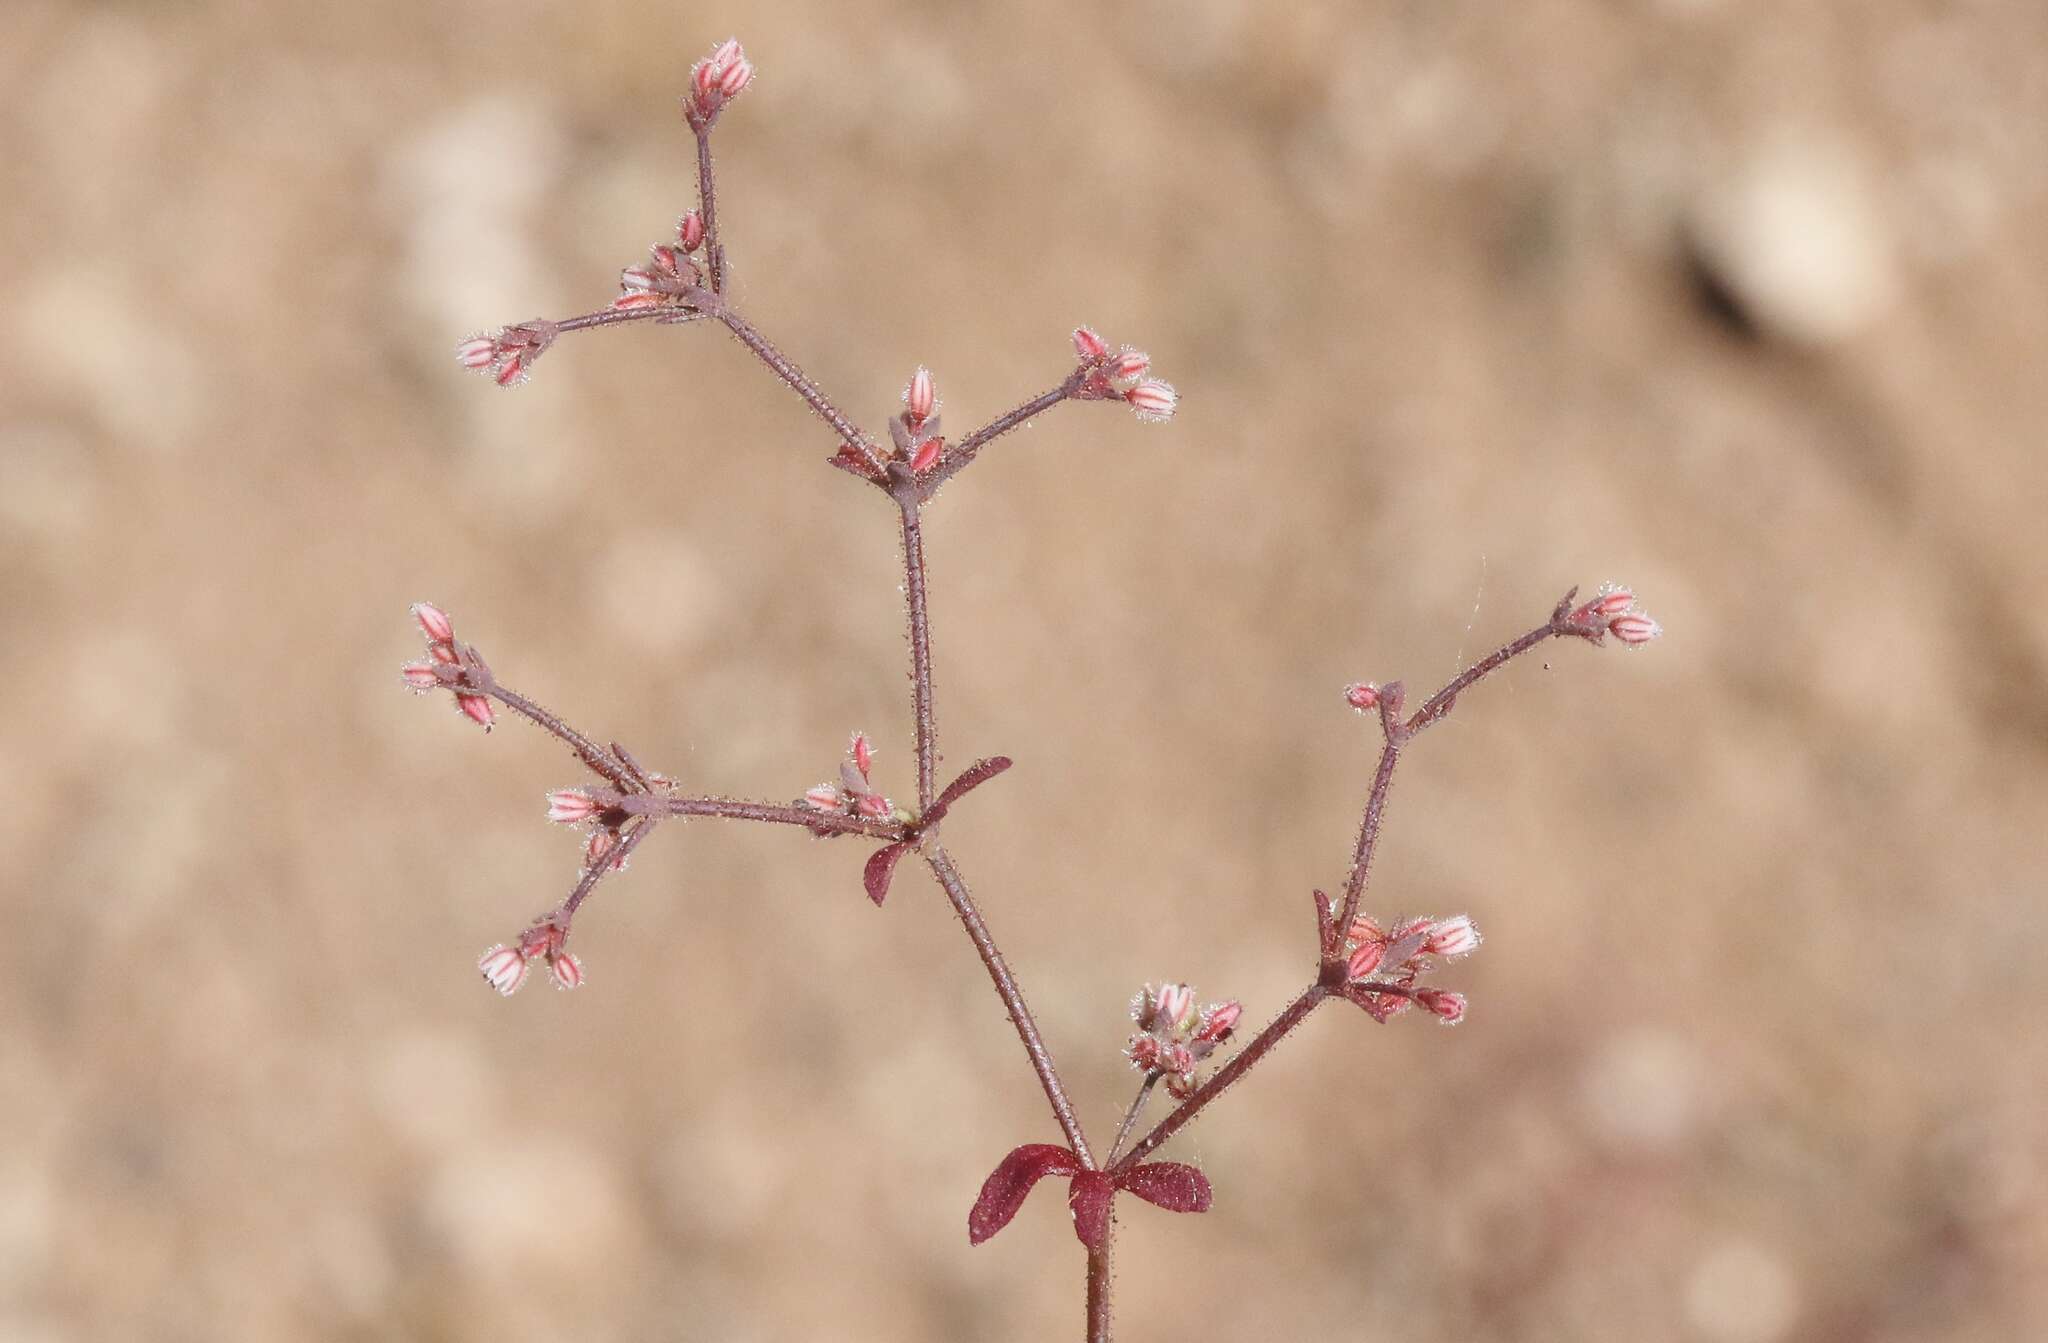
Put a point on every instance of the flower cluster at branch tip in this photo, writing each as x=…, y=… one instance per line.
x=717, y=80
x=915, y=431
x=1103, y=370
x=1383, y=966
x=670, y=277
x=508, y=355
x=1173, y=1038
x=451, y=665
x=505, y=968
x=855, y=793
x=1613, y=610
x=576, y=806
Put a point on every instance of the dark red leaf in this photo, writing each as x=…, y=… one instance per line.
x=1089, y=1201
x=975, y=775
x=1170, y=1185
x=881, y=867
x=1004, y=1190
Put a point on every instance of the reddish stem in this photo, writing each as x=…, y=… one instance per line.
x=589, y=752
x=1013, y=997
x=1099, y=1279
x=610, y=862
x=914, y=600
x=707, y=204
x=800, y=382
x=960, y=454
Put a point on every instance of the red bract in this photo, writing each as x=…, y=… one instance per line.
x=1090, y=1196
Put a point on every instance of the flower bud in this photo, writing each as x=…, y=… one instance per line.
x=920, y=396
x=1089, y=346
x=477, y=352
x=1176, y=1006
x=1448, y=1007
x=567, y=970
x=1635, y=629
x=434, y=622
x=1451, y=937
x=1153, y=399
x=1129, y=363
x=419, y=676
x=477, y=708
x=1366, y=959
x=504, y=969
x=826, y=797
x=736, y=77
x=690, y=231
x=1363, y=696
x=1218, y=1021
x=571, y=806
x=862, y=752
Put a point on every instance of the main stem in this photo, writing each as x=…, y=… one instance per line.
x=920, y=654
x=1098, y=1288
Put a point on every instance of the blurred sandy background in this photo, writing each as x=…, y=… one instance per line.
x=1744, y=303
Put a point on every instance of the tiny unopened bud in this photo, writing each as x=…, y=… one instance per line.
x=419, y=675
x=736, y=77
x=434, y=622
x=690, y=231
x=600, y=843
x=566, y=969
x=1153, y=399
x=724, y=54
x=665, y=260
x=862, y=752
x=1218, y=1021
x=1089, y=346
x=1449, y=1007
x=1366, y=959
x=1129, y=363
x=875, y=807
x=1363, y=696
x=642, y=299
x=1452, y=937
x=636, y=279
x=825, y=797
x=927, y=454
x=1176, y=1058
x=1634, y=629
x=1144, y=1052
x=512, y=372
x=920, y=396
x=1609, y=603
x=571, y=806
x=477, y=352
x=478, y=709
x=504, y=969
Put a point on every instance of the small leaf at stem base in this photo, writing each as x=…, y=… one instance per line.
x=1089, y=1200
x=1007, y=1185
x=1169, y=1185
x=881, y=867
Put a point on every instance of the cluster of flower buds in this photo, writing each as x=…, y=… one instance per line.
x=855, y=794
x=916, y=430
x=670, y=275
x=508, y=356
x=1380, y=959
x=1613, y=610
x=1173, y=1038
x=450, y=665
x=504, y=968
x=717, y=80
x=1119, y=375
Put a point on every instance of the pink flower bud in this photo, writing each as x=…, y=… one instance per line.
x=736, y=77
x=920, y=397
x=635, y=279
x=1635, y=629
x=1176, y=1005
x=478, y=709
x=875, y=807
x=724, y=54
x=512, y=372
x=477, y=352
x=1363, y=696
x=1089, y=346
x=419, y=675
x=1366, y=959
x=665, y=260
x=1144, y=1052
x=862, y=752
x=1176, y=1058
x=600, y=843
x=704, y=80
x=1129, y=363
x=444, y=654
x=1448, y=1007
x=571, y=806
x=1364, y=929
x=1611, y=602
x=690, y=231
x=504, y=969
x=627, y=302
x=1219, y=1021
x=1452, y=937
x=567, y=970
x=434, y=622
x=1153, y=400
x=927, y=454
x=825, y=797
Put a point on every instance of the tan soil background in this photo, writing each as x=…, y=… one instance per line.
x=1744, y=303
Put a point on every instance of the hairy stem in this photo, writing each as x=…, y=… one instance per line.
x=1131, y=1115
x=1247, y=1058
x=605, y=865
x=963, y=452
x=589, y=752
x=800, y=382
x=707, y=203
x=1007, y=989
x=1368, y=835
x=920, y=656
x=1099, y=1280
x=807, y=817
